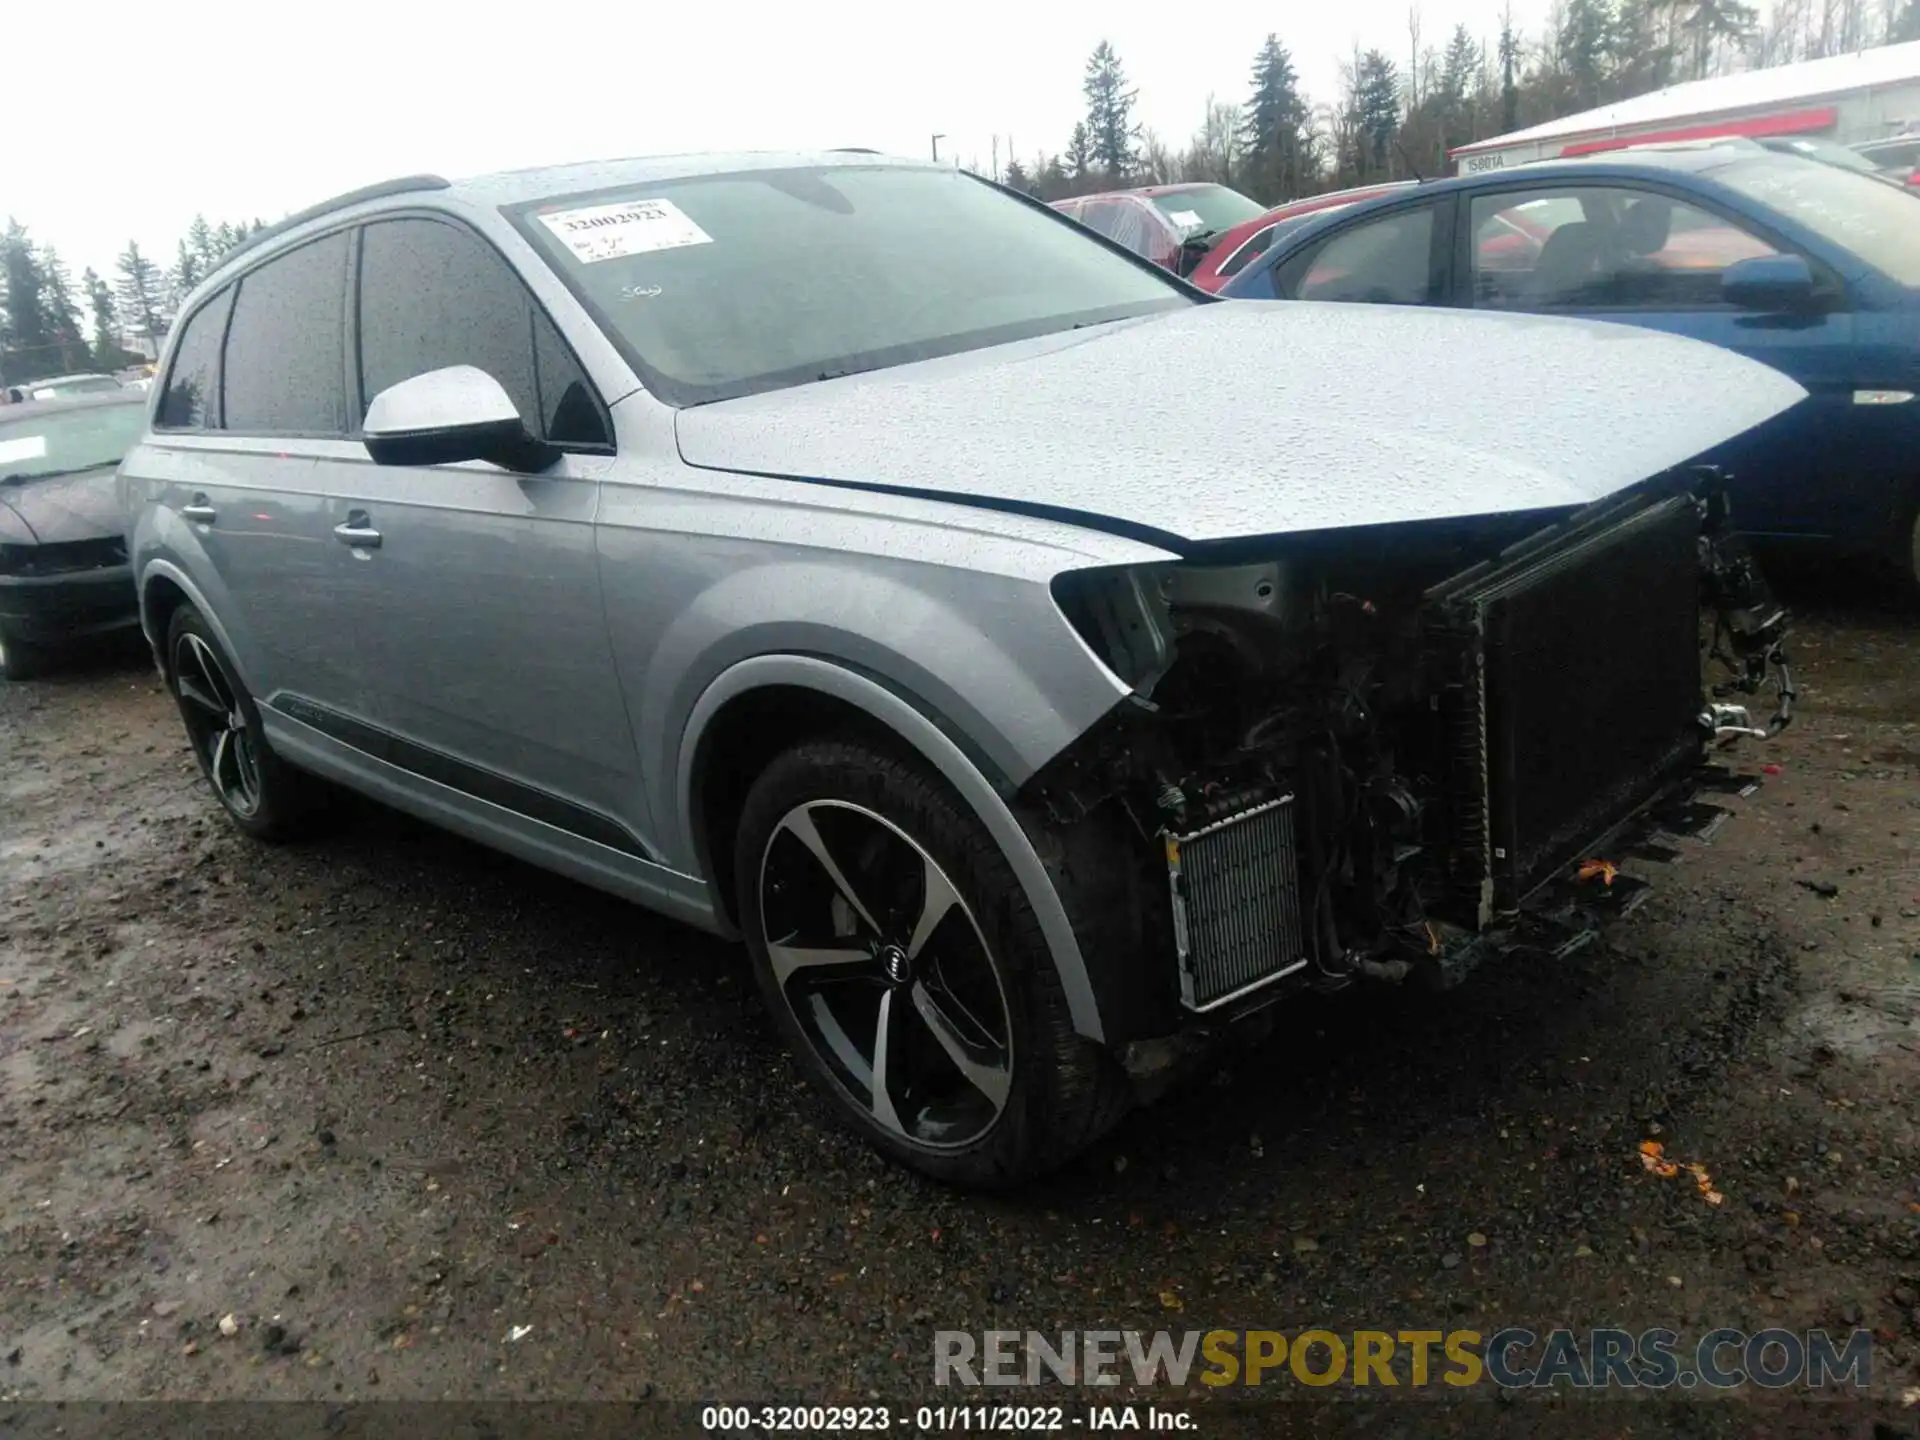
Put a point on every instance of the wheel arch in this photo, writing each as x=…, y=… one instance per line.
x=164, y=588
x=769, y=702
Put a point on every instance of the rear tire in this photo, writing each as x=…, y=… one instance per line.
x=21, y=660
x=261, y=793
x=891, y=939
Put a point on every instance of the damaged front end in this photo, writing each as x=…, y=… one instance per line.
x=1386, y=754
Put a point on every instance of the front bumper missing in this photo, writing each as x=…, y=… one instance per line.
x=69, y=604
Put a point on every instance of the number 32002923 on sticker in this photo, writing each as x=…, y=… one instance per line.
x=632, y=227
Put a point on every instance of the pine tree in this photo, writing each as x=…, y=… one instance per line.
x=1509, y=80
x=202, y=244
x=28, y=334
x=106, y=328
x=1050, y=181
x=1376, y=104
x=186, y=273
x=1586, y=47
x=141, y=291
x=1278, y=149
x=1642, y=57
x=1717, y=21
x=1078, y=160
x=63, y=319
x=1110, y=127
x=1017, y=178
x=1459, y=66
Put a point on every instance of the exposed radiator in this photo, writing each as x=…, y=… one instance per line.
x=1576, y=697
x=1236, y=904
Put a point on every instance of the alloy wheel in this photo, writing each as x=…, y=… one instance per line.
x=885, y=970
x=217, y=725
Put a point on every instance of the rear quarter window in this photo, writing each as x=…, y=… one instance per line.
x=193, y=382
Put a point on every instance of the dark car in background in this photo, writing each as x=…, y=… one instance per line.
x=1801, y=265
x=63, y=557
x=1171, y=225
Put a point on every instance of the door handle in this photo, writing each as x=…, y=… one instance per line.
x=358, y=531
x=199, y=511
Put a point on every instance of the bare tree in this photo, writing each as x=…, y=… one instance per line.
x=1215, y=150
x=1157, y=164
x=1413, y=58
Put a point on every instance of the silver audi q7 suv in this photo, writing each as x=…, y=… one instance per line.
x=1044, y=668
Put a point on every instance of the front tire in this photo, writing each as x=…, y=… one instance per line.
x=262, y=794
x=907, y=972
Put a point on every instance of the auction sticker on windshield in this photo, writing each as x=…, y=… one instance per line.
x=634, y=227
x=28, y=447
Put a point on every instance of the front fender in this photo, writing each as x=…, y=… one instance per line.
x=993, y=657
x=939, y=749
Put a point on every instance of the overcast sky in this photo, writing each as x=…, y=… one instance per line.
x=126, y=124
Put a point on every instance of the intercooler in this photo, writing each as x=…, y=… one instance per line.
x=1576, y=698
x=1236, y=904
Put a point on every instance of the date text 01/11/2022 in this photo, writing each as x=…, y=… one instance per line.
x=941, y=1419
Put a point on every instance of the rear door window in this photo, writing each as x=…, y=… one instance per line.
x=284, y=372
x=1388, y=261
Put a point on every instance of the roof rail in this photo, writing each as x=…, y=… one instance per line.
x=853, y=150
x=405, y=185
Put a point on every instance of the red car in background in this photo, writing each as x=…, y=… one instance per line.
x=1232, y=251
x=1171, y=225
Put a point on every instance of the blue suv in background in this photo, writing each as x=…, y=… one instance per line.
x=1808, y=268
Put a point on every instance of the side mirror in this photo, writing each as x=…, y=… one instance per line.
x=1771, y=284
x=446, y=416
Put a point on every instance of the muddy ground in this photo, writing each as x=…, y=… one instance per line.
x=428, y=1123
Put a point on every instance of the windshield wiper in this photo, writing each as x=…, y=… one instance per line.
x=20, y=477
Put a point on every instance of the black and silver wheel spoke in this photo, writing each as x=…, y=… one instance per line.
x=800, y=825
x=986, y=1070
x=937, y=902
x=216, y=725
x=880, y=1097
x=877, y=956
x=197, y=684
x=822, y=963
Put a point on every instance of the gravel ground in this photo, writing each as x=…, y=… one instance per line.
x=428, y=1123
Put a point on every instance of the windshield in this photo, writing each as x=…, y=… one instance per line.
x=1879, y=223
x=727, y=285
x=54, y=442
x=1206, y=207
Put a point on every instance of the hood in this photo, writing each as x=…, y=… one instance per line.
x=1239, y=419
x=67, y=507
